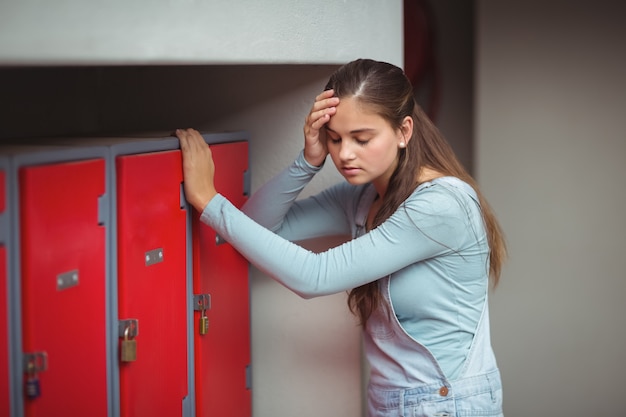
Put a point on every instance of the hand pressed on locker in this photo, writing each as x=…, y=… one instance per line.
x=198, y=168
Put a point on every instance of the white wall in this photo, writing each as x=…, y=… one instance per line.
x=197, y=31
x=551, y=156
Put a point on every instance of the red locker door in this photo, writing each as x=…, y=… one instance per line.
x=151, y=252
x=4, y=324
x=222, y=355
x=63, y=285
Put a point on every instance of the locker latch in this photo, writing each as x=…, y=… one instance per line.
x=201, y=303
x=35, y=361
x=128, y=328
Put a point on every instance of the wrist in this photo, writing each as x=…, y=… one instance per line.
x=315, y=162
x=199, y=202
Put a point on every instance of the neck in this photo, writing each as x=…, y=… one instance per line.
x=381, y=189
x=427, y=174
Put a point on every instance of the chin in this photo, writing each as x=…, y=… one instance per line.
x=356, y=180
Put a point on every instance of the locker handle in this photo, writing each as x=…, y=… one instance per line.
x=154, y=256
x=67, y=280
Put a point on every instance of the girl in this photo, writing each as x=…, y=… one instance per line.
x=424, y=241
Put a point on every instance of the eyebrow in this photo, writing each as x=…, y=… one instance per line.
x=352, y=132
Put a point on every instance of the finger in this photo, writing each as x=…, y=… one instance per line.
x=320, y=117
x=319, y=122
x=325, y=99
x=325, y=103
x=182, y=139
x=325, y=94
x=190, y=137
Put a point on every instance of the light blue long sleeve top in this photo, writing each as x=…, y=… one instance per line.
x=434, y=249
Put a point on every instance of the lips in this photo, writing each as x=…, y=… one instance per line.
x=350, y=170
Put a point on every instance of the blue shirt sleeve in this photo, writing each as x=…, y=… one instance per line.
x=428, y=224
x=275, y=207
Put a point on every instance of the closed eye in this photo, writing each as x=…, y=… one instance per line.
x=332, y=137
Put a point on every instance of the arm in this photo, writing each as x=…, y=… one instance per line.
x=274, y=205
x=426, y=226
x=274, y=200
x=199, y=169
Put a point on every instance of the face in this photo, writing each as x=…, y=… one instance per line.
x=363, y=145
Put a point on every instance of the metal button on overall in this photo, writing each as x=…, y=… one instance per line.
x=443, y=391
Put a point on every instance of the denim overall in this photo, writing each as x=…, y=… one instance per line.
x=406, y=379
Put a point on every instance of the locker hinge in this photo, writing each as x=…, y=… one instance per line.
x=248, y=376
x=183, y=200
x=246, y=183
x=4, y=225
x=103, y=210
x=201, y=302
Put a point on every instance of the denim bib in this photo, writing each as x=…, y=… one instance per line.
x=405, y=377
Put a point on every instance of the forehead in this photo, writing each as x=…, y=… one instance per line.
x=353, y=115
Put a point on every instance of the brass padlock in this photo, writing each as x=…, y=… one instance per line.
x=128, y=348
x=204, y=323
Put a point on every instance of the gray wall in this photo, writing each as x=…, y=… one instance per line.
x=551, y=156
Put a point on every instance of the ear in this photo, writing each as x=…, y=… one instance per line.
x=406, y=130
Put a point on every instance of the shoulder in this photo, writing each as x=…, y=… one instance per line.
x=444, y=195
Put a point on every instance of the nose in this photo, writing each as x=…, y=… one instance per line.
x=346, y=152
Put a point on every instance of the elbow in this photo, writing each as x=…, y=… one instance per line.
x=305, y=294
x=308, y=292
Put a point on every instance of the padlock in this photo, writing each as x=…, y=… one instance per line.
x=204, y=324
x=32, y=388
x=128, y=348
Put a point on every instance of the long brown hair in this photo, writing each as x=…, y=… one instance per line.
x=385, y=89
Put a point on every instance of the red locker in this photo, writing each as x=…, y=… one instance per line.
x=62, y=263
x=151, y=282
x=222, y=355
x=4, y=324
